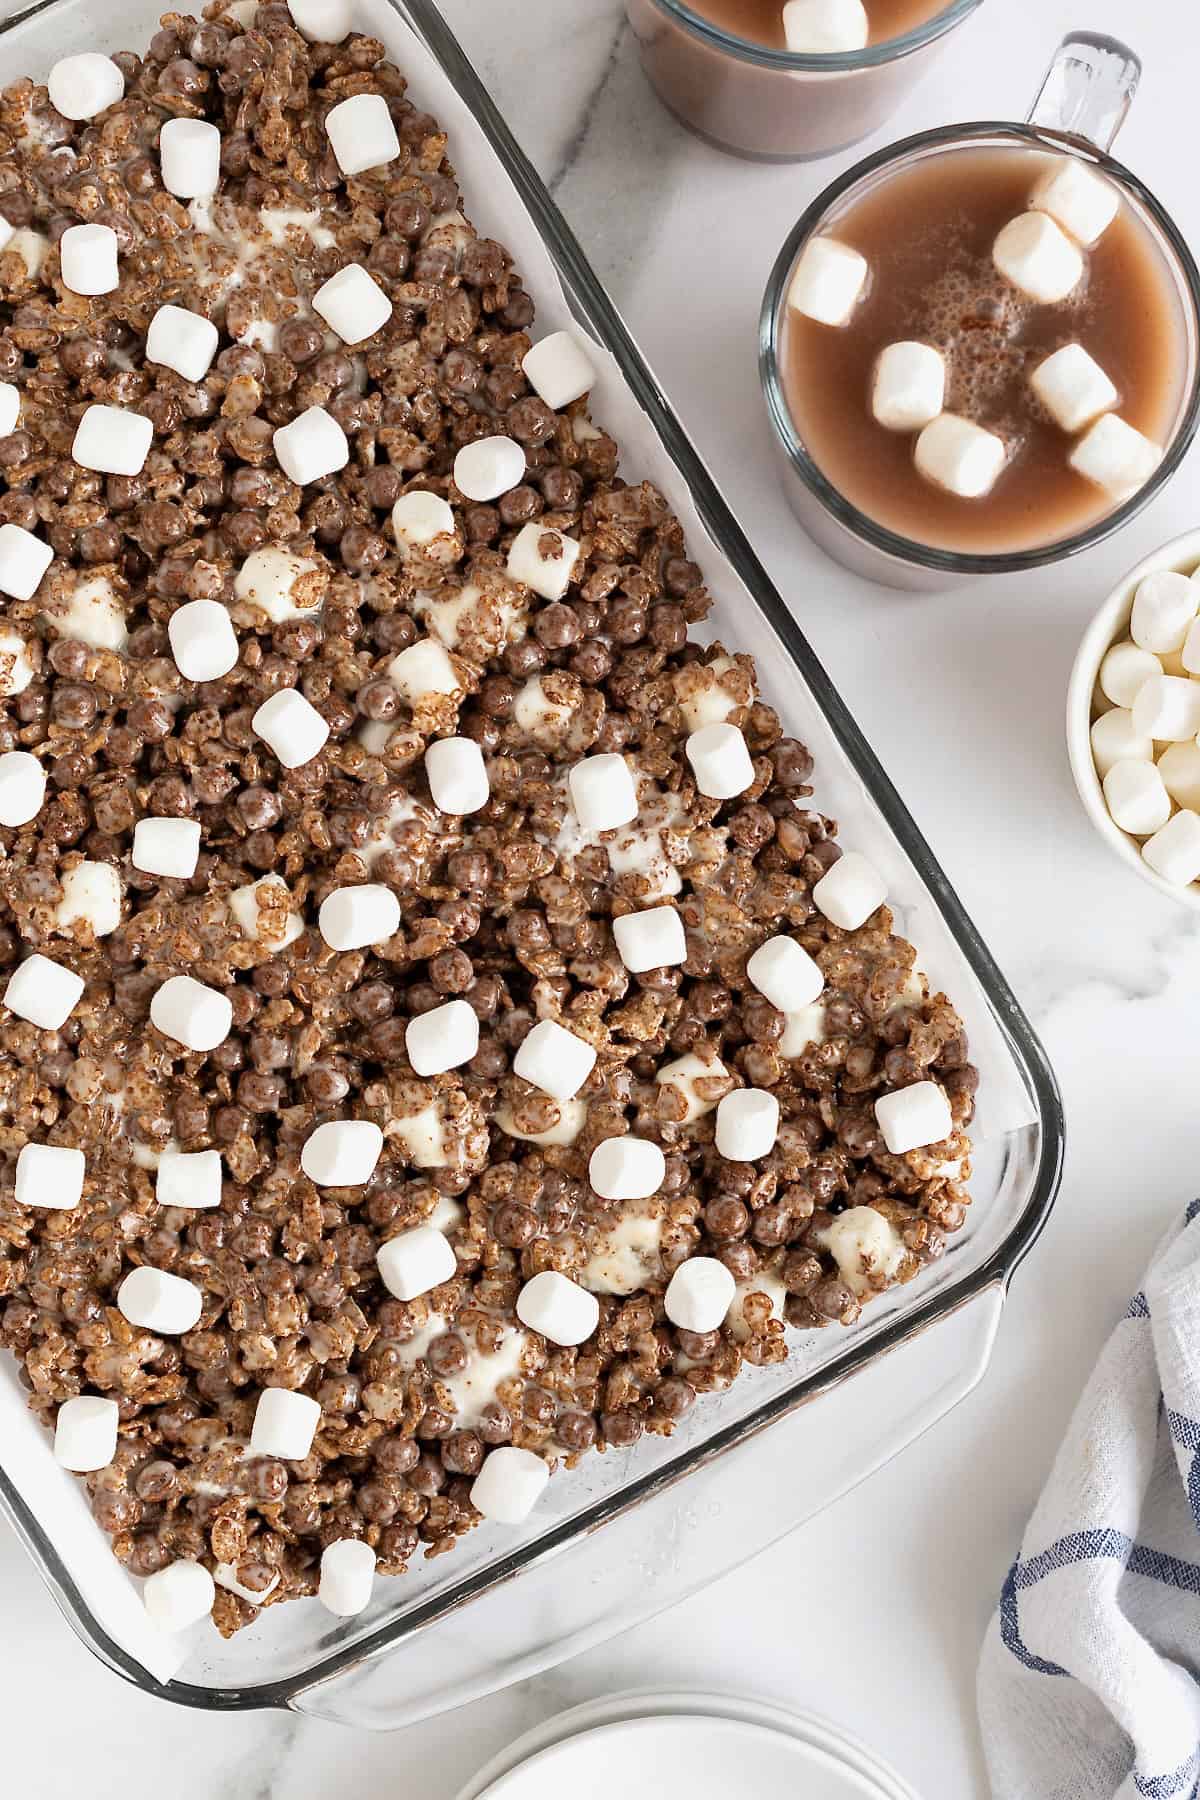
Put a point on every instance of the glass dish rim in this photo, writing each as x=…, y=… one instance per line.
x=926, y=556
x=838, y=62
x=996, y=1270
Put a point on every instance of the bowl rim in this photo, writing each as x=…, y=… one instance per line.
x=1103, y=630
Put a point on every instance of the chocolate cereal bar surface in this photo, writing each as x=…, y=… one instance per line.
x=352, y=729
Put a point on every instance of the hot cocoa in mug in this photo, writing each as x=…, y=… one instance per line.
x=980, y=348
x=789, y=79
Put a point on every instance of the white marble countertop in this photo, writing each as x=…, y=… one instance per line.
x=963, y=699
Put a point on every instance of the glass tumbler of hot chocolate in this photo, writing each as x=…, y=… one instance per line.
x=786, y=80
x=979, y=347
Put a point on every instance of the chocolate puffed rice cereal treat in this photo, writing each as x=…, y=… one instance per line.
x=438, y=1036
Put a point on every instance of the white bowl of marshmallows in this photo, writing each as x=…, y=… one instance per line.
x=1133, y=719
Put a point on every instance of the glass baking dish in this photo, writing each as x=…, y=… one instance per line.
x=505, y=1605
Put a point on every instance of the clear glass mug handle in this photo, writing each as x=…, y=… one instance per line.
x=1089, y=88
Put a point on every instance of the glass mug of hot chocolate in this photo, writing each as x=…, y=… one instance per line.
x=979, y=348
x=786, y=80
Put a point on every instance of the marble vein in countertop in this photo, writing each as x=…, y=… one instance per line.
x=578, y=141
x=613, y=158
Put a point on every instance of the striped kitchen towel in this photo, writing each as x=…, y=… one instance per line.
x=1089, y=1686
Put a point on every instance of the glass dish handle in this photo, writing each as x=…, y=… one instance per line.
x=1089, y=88
x=675, y=1543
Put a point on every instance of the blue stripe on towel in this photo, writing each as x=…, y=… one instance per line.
x=1139, y=1307
x=1185, y=1431
x=1010, y=1630
x=1104, y=1544
x=1162, y=1787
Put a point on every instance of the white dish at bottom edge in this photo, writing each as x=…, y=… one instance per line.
x=847, y=1756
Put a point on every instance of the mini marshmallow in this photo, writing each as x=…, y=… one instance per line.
x=1136, y=797
x=960, y=456
x=1073, y=387
x=720, y=761
x=168, y=847
x=1037, y=257
x=489, y=467
x=264, y=911
x=1179, y=766
x=559, y=1308
x=1116, y=457
x=685, y=1075
x=91, y=894
x=555, y=1060
x=24, y=559
x=542, y=559
x=82, y=86
x=559, y=370
x=419, y=519
x=416, y=1262
x=179, y=1596
x=1164, y=610
x=342, y=1153
x=650, y=940
x=322, y=21
x=825, y=27
x=457, y=777
x=312, y=446
x=88, y=259
x=828, y=281
x=603, y=792
x=850, y=891
x=182, y=340
x=203, y=640
x=44, y=992
x=1114, y=740
x=112, y=440
x=280, y=583
x=913, y=1117
x=353, y=917
x=747, y=1124
x=91, y=613
x=1125, y=670
x=85, y=1433
x=226, y=1574
x=909, y=387
x=1174, y=851
x=509, y=1485
x=285, y=1424
x=785, y=974
x=50, y=1176
x=699, y=1294
x=31, y=246
x=352, y=304
x=361, y=133
x=1167, y=707
x=16, y=666
x=1082, y=202
x=424, y=668
x=22, y=788
x=189, y=156
x=10, y=408
x=443, y=1038
x=1189, y=657
x=190, y=1178
x=626, y=1168
x=347, y=1567
x=196, y=1016
x=165, y=1304
x=292, y=727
